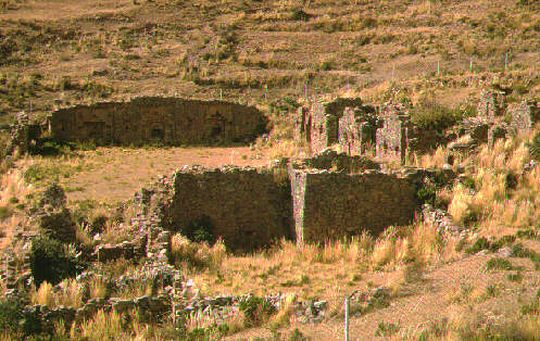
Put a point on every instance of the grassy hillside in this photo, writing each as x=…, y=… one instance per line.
x=56, y=52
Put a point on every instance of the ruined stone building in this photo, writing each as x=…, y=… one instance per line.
x=524, y=115
x=345, y=121
x=170, y=121
x=330, y=205
x=393, y=138
x=251, y=208
x=23, y=133
x=492, y=104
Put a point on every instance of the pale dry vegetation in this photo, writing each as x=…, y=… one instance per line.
x=504, y=194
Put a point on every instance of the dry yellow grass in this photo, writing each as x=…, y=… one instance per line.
x=496, y=203
x=69, y=295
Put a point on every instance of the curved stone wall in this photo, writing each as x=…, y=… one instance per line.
x=170, y=121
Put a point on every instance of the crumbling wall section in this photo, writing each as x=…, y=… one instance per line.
x=324, y=128
x=329, y=205
x=523, y=117
x=357, y=129
x=248, y=208
x=344, y=120
x=492, y=104
x=170, y=121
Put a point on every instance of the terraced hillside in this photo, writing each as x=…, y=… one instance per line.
x=258, y=223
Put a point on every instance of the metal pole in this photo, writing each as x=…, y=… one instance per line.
x=438, y=68
x=347, y=318
x=506, y=61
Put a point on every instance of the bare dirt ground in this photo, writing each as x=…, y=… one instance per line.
x=115, y=174
x=59, y=9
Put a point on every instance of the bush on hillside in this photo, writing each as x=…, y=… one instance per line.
x=50, y=262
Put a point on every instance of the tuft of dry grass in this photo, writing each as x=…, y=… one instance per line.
x=198, y=255
x=44, y=295
x=68, y=295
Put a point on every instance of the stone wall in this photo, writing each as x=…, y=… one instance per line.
x=171, y=121
x=330, y=205
x=356, y=131
x=246, y=207
x=491, y=104
x=344, y=120
x=523, y=117
x=393, y=138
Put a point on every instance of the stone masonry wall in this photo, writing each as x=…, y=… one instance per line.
x=170, y=121
x=356, y=132
x=393, y=140
x=491, y=104
x=329, y=205
x=324, y=128
x=342, y=120
x=524, y=116
x=246, y=207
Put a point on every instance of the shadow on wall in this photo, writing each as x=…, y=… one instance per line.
x=252, y=208
x=169, y=121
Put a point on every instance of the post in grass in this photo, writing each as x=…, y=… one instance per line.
x=346, y=318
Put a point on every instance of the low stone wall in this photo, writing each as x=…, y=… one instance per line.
x=330, y=205
x=148, y=309
x=246, y=207
x=250, y=208
x=170, y=121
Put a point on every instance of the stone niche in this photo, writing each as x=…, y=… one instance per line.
x=330, y=205
x=248, y=208
x=344, y=120
x=170, y=121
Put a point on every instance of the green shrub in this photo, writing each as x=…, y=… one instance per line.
x=5, y=212
x=431, y=115
x=515, y=277
x=387, y=329
x=427, y=194
x=498, y=264
x=299, y=14
x=200, y=230
x=10, y=315
x=49, y=261
x=256, y=310
x=484, y=244
x=534, y=147
x=529, y=233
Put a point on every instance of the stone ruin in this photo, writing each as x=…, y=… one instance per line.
x=386, y=132
x=523, y=116
x=492, y=104
x=495, y=119
x=357, y=128
x=23, y=133
x=344, y=121
x=251, y=208
x=170, y=121
x=393, y=139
